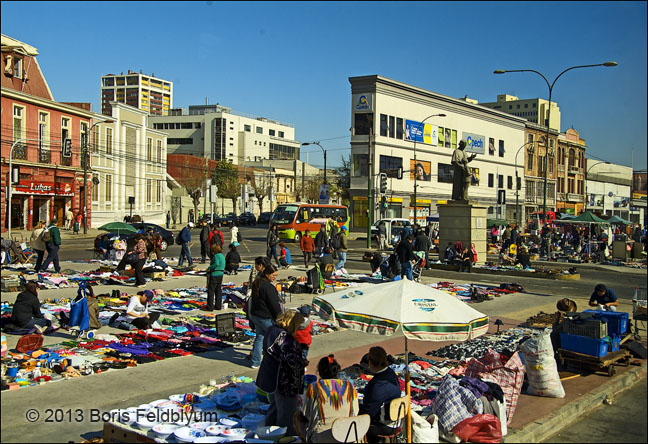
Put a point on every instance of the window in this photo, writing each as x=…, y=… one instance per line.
x=109, y=142
x=551, y=161
x=526, y=105
x=441, y=136
x=17, y=68
x=159, y=151
x=272, y=132
x=399, y=128
x=392, y=125
x=517, y=106
x=510, y=106
x=530, y=161
x=95, y=188
x=509, y=182
x=108, y=188
x=501, y=148
x=259, y=130
x=186, y=125
x=500, y=181
x=491, y=146
x=530, y=139
x=149, y=190
x=491, y=180
x=247, y=128
x=445, y=173
x=454, y=139
x=390, y=165
x=281, y=134
x=572, y=158
x=383, y=125
x=518, y=183
x=43, y=150
x=179, y=141
x=149, y=149
x=17, y=123
x=362, y=123
x=95, y=139
x=197, y=125
x=158, y=191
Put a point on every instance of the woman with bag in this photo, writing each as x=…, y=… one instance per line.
x=266, y=306
x=37, y=243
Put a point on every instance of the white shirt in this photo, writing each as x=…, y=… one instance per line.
x=234, y=232
x=135, y=306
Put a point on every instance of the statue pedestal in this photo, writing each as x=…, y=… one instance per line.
x=464, y=221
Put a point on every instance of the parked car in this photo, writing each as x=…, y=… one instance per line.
x=247, y=218
x=264, y=218
x=208, y=217
x=229, y=219
x=167, y=236
x=393, y=226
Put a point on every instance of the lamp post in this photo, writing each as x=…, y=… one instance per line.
x=323, y=150
x=550, y=85
x=85, y=174
x=9, y=184
x=517, y=188
x=418, y=127
x=586, y=173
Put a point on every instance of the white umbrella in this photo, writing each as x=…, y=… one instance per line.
x=422, y=312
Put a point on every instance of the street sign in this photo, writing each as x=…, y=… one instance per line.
x=324, y=194
x=213, y=192
x=67, y=148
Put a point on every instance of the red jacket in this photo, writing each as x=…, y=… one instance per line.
x=303, y=335
x=307, y=244
x=211, y=237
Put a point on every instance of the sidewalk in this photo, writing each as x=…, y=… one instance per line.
x=25, y=235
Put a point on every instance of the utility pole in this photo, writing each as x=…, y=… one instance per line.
x=370, y=200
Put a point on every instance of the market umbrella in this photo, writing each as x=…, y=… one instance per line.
x=618, y=220
x=588, y=218
x=568, y=217
x=422, y=312
x=118, y=227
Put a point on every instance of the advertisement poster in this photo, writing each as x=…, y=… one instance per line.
x=421, y=170
x=448, y=137
x=474, y=180
x=425, y=133
x=324, y=194
x=360, y=165
x=475, y=143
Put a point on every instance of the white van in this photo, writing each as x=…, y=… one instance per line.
x=393, y=227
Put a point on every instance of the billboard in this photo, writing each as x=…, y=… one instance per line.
x=475, y=143
x=421, y=170
x=426, y=133
x=324, y=194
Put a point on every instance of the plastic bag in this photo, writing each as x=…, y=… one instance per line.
x=541, y=367
x=425, y=430
x=479, y=428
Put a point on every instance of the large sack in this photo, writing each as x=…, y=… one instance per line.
x=541, y=367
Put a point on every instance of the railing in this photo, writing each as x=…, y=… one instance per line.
x=574, y=170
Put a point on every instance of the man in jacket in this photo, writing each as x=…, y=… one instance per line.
x=216, y=236
x=26, y=311
x=52, y=246
x=382, y=235
x=185, y=238
x=422, y=243
x=204, y=241
x=405, y=253
x=321, y=241
x=307, y=245
x=342, y=247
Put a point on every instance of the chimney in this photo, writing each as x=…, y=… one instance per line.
x=206, y=100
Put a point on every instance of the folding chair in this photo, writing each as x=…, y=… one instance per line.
x=397, y=411
x=354, y=427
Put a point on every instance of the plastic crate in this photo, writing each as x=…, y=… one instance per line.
x=615, y=343
x=584, y=345
x=592, y=328
x=617, y=322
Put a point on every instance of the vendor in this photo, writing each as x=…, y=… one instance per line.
x=137, y=313
x=523, y=258
x=604, y=298
x=26, y=311
x=232, y=260
x=382, y=388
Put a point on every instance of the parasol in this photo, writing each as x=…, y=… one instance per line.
x=118, y=227
x=422, y=312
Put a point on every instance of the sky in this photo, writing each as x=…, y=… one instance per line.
x=290, y=61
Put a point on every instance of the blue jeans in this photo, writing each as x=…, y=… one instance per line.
x=52, y=256
x=41, y=322
x=406, y=270
x=281, y=411
x=342, y=257
x=273, y=253
x=185, y=252
x=261, y=326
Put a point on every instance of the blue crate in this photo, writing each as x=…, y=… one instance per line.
x=584, y=345
x=617, y=321
x=615, y=343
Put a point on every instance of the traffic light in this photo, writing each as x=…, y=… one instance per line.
x=383, y=183
x=383, y=201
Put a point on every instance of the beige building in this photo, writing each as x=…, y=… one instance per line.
x=533, y=110
x=570, y=178
x=148, y=93
x=128, y=162
x=536, y=160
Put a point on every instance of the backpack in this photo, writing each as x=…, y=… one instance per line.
x=46, y=236
x=178, y=240
x=337, y=242
x=216, y=238
x=239, y=238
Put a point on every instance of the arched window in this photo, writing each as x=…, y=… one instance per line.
x=572, y=157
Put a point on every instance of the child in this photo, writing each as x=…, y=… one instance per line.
x=284, y=258
x=232, y=260
x=303, y=334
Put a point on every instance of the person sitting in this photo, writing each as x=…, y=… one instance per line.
x=10, y=245
x=325, y=401
x=284, y=256
x=26, y=311
x=465, y=260
x=382, y=388
x=523, y=258
x=137, y=315
x=326, y=260
x=506, y=259
x=450, y=254
x=232, y=260
x=604, y=298
x=102, y=246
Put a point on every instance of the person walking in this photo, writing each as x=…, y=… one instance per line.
x=266, y=306
x=406, y=257
x=52, y=245
x=168, y=220
x=37, y=243
x=307, y=244
x=272, y=241
x=140, y=250
x=185, y=239
x=204, y=241
x=321, y=241
x=382, y=235
x=234, y=232
x=341, y=246
x=77, y=222
x=422, y=243
x=69, y=218
x=215, y=279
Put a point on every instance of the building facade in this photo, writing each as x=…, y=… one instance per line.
x=534, y=110
x=537, y=159
x=570, y=180
x=639, y=197
x=608, y=188
x=141, y=91
x=44, y=140
x=129, y=169
x=396, y=127
x=218, y=133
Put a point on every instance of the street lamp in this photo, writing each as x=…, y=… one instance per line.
x=550, y=85
x=85, y=174
x=418, y=127
x=586, y=173
x=10, y=184
x=318, y=144
x=517, y=188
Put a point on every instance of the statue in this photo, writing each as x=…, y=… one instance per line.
x=462, y=173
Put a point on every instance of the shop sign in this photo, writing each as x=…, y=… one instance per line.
x=475, y=143
x=363, y=102
x=48, y=188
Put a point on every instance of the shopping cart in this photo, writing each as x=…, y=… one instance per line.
x=639, y=311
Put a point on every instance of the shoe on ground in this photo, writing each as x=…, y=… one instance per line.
x=254, y=366
x=141, y=285
x=39, y=329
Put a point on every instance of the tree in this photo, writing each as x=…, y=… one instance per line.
x=344, y=178
x=225, y=176
x=262, y=185
x=194, y=179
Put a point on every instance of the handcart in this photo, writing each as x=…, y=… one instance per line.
x=588, y=363
x=639, y=311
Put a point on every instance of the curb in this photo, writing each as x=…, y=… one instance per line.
x=562, y=418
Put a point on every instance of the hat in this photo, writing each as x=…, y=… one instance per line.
x=344, y=228
x=305, y=310
x=566, y=305
x=149, y=294
x=190, y=224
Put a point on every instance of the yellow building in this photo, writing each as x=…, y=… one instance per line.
x=148, y=93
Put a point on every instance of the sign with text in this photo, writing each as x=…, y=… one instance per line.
x=324, y=194
x=475, y=143
x=426, y=133
x=49, y=188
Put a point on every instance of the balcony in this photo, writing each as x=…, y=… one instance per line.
x=574, y=170
x=561, y=168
